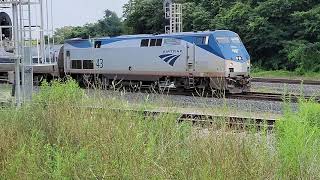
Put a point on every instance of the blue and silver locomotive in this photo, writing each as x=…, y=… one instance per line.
x=212, y=59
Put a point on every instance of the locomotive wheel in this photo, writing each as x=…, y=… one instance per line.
x=153, y=88
x=86, y=81
x=201, y=91
x=135, y=86
x=164, y=89
x=38, y=80
x=105, y=83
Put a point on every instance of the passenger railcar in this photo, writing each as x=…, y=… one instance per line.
x=213, y=59
x=7, y=63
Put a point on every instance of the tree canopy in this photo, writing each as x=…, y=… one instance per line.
x=279, y=34
x=109, y=25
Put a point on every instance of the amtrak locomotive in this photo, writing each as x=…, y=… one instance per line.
x=208, y=60
x=212, y=60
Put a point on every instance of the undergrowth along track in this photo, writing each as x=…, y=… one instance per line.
x=232, y=122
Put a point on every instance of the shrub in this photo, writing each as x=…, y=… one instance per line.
x=305, y=55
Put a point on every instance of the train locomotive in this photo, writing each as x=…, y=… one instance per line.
x=206, y=60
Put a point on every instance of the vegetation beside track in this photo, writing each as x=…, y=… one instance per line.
x=51, y=138
x=285, y=75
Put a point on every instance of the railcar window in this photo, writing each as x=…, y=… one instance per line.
x=87, y=64
x=68, y=54
x=97, y=44
x=76, y=64
x=201, y=41
x=144, y=42
x=223, y=40
x=159, y=42
x=153, y=42
x=235, y=40
x=35, y=60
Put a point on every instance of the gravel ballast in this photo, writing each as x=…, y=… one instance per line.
x=181, y=101
x=307, y=90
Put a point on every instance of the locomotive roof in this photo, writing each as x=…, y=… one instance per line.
x=199, y=33
x=183, y=34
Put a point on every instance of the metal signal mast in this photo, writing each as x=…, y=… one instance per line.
x=173, y=12
x=29, y=29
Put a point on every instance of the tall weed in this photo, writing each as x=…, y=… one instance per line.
x=298, y=143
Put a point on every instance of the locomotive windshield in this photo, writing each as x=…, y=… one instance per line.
x=228, y=40
x=223, y=40
x=235, y=40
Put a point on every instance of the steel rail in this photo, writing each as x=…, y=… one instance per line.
x=258, y=96
x=286, y=81
x=273, y=97
x=207, y=119
x=233, y=122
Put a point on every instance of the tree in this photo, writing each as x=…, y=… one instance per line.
x=269, y=28
x=144, y=17
x=109, y=25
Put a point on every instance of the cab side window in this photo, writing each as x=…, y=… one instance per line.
x=144, y=43
x=201, y=40
x=97, y=44
x=153, y=42
x=159, y=42
x=76, y=64
x=87, y=64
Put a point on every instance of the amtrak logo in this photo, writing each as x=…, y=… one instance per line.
x=170, y=58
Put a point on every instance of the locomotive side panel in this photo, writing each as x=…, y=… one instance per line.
x=116, y=58
x=208, y=64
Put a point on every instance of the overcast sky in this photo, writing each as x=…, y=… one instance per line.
x=80, y=12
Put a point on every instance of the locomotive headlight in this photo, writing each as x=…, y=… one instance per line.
x=231, y=64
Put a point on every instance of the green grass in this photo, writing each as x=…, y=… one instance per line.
x=52, y=138
x=285, y=74
x=298, y=142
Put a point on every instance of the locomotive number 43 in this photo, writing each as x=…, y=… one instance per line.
x=99, y=63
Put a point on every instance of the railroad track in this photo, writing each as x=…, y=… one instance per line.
x=233, y=122
x=272, y=97
x=205, y=120
x=286, y=81
x=258, y=96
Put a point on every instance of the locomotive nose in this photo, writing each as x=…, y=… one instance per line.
x=238, y=62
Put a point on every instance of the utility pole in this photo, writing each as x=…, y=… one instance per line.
x=16, y=52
